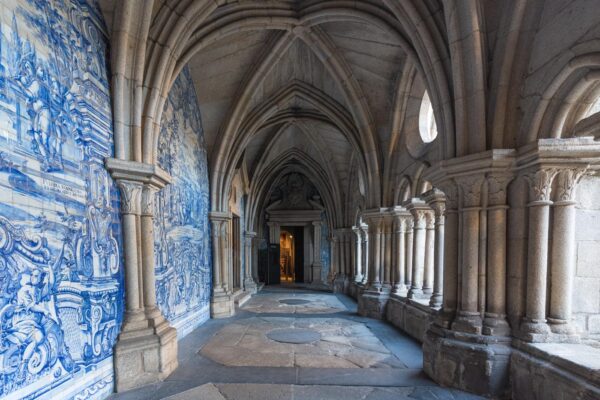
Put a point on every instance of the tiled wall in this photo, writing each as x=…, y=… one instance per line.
x=182, y=236
x=61, y=293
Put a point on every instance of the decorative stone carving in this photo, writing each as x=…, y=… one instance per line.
x=131, y=193
x=540, y=184
x=497, y=189
x=470, y=190
x=148, y=197
x=567, y=182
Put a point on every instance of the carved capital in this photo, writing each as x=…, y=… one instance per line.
x=470, y=190
x=497, y=189
x=430, y=220
x=451, y=194
x=419, y=218
x=148, y=196
x=439, y=209
x=131, y=194
x=540, y=184
x=567, y=181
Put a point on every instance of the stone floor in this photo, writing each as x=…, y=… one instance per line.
x=289, y=343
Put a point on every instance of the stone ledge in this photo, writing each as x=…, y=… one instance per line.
x=579, y=359
x=554, y=372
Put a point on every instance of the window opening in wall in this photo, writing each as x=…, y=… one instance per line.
x=427, y=126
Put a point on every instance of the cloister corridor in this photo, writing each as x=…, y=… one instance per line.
x=324, y=351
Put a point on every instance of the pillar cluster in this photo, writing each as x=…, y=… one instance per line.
x=147, y=347
x=507, y=262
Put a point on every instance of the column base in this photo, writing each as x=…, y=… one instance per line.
x=468, y=323
x=316, y=274
x=372, y=304
x=534, y=331
x=222, y=306
x=473, y=363
x=250, y=285
x=495, y=325
x=340, y=284
x=436, y=300
x=144, y=356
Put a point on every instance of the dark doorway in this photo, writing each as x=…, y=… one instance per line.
x=291, y=260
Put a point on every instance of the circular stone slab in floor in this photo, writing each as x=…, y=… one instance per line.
x=294, y=302
x=294, y=335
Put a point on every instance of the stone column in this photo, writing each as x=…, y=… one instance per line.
x=317, y=264
x=334, y=258
x=468, y=318
x=386, y=250
x=222, y=304
x=399, y=247
x=131, y=193
x=418, y=209
x=408, y=266
x=375, y=253
x=534, y=326
x=429, y=253
x=249, y=282
x=358, y=268
x=147, y=238
x=563, y=251
x=364, y=233
x=450, y=255
x=436, y=200
x=146, y=350
x=495, y=322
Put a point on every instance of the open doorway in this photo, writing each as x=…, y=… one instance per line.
x=291, y=256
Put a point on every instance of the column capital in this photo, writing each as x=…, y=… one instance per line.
x=497, y=188
x=131, y=196
x=148, y=174
x=148, y=196
x=219, y=216
x=249, y=234
x=317, y=223
x=540, y=184
x=567, y=180
x=470, y=190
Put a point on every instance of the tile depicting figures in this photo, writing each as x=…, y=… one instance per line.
x=182, y=236
x=61, y=293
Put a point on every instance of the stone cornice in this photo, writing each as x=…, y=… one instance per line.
x=134, y=171
x=219, y=216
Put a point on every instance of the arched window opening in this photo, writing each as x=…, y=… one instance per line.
x=427, y=126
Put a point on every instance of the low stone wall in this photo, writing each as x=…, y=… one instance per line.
x=555, y=372
x=411, y=317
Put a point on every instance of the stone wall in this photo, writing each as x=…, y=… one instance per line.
x=61, y=293
x=182, y=230
x=586, y=296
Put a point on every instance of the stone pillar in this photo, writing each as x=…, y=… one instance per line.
x=534, y=326
x=372, y=301
x=418, y=209
x=436, y=200
x=408, y=275
x=386, y=244
x=468, y=318
x=146, y=350
x=221, y=303
x=399, y=248
x=364, y=232
x=317, y=264
x=429, y=253
x=450, y=256
x=334, y=258
x=249, y=242
x=495, y=322
x=563, y=252
x=358, y=267
x=131, y=193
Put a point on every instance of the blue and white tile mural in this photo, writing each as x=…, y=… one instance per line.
x=182, y=236
x=61, y=295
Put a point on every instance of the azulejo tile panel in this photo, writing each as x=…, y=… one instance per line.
x=182, y=236
x=61, y=295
